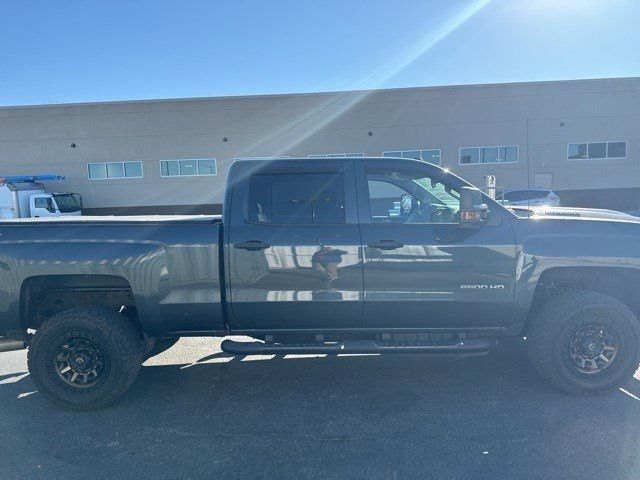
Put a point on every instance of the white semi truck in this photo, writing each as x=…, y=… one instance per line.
x=24, y=196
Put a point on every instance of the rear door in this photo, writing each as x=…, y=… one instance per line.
x=294, y=247
x=421, y=268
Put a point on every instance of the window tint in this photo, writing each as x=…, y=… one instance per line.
x=296, y=198
x=188, y=167
x=97, y=171
x=489, y=155
x=337, y=155
x=410, y=198
x=577, y=151
x=431, y=155
x=132, y=169
x=115, y=170
x=617, y=149
x=508, y=154
x=469, y=155
x=100, y=171
x=597, y=150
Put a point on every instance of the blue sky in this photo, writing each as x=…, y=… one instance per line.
x=85, y=50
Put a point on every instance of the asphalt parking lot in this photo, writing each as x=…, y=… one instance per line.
x=197, y=413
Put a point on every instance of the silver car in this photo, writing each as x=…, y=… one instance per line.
x=529, y=197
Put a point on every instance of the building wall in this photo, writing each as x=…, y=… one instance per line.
x=541, y=118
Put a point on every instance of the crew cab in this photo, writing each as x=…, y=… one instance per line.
x=352, y=255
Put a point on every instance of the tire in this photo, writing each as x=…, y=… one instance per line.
x=160, y=345
x=558, y=346
x=100, y=347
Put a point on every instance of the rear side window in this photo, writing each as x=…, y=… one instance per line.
x=296, y=198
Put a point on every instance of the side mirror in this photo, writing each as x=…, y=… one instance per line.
x=473, y=213
x=406, y=203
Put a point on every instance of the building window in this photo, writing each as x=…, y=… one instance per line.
x=261, y=158
x=102, y=171
x=617, y=150
x=188, y=167
x=491, y=154
x=469, y=155
x=429, y=155
x=337, y=155
x=596, y=150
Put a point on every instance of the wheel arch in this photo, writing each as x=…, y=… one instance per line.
x=621, y=283
x=42, y=296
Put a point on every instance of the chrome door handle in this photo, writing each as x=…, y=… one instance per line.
x=386, y=245
x=251, y=245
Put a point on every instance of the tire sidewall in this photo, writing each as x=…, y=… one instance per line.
x=69, y=395
x=625, y=363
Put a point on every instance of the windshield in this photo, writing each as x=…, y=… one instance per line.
x=68, y=202
x=439, y=193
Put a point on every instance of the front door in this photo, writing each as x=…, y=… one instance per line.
x=295, y=258
x=421, y=268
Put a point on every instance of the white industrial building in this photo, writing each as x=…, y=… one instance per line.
x=579, y=137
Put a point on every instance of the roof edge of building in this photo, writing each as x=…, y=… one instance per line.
x=335, y=92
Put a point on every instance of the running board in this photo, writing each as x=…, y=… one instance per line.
x=10, y=344
x=475, y=346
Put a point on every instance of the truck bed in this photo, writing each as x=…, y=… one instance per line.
x=170, y=264
x=116, y=219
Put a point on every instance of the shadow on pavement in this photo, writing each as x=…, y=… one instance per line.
x=328, y=417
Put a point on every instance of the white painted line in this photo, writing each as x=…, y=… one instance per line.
x=627, y=392
x=251, y=358
x=15, y=379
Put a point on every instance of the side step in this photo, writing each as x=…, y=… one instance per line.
x=10, y=344
x=473, y=346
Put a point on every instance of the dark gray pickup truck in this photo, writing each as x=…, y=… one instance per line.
x=372, y=255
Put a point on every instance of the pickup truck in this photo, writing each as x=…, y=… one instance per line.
x=330, y=256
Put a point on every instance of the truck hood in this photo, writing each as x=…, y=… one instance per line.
x=574, y=213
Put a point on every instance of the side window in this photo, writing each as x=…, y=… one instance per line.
x=410, y=198
x=296, y=198
x=43, y=202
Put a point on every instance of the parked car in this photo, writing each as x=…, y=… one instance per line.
x=323, y=257
x=531, y=197
x=24, y=196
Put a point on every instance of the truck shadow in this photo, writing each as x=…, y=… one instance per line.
x=323, y=417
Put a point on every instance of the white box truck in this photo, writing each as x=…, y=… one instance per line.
x=24, y=196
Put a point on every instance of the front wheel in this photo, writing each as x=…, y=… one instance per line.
x=584, y=343
x=85, y=357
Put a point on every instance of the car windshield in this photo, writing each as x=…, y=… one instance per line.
x=439, y=193
x=68, y=202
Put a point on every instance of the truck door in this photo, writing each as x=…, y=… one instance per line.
x=421, y=268
x=42, y=206
x=294, y=247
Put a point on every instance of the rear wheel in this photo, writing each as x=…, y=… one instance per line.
x=85, y=357
x=585, y=343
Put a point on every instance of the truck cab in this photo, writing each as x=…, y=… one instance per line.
x=55, y=205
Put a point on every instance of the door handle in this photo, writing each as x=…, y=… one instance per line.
x=386, y=245
x=251, y=245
